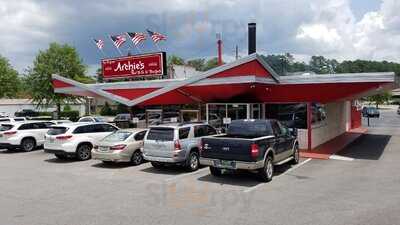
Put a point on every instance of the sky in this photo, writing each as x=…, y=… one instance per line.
x=341, y=29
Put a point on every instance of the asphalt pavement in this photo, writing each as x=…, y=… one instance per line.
x=36, y=188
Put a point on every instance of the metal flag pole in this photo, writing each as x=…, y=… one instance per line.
x=158, y=47
x=116, y=46
x=133, y=42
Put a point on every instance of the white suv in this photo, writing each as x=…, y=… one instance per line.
x=24, y=135
x=76, y=139
x=12, y=120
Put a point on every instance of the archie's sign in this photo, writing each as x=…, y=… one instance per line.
x=153, y=64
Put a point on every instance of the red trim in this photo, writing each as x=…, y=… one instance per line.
x=60, y=84
x=309, y=127
x=131, y=93
x=253, y=68
x=355, y=117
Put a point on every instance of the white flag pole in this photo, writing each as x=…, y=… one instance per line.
x=99, y=49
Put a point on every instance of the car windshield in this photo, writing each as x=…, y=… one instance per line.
x=372, y=110
x=100, y=119
x=57, y=130
x=118, y=136
x=161, y=134
x=5, y=127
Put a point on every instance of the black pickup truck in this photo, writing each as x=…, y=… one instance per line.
x=256, y=145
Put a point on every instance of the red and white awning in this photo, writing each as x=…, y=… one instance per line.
x=249, y=79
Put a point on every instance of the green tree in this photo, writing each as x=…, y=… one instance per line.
x=198, y=64
x=99, y=75
x=106, y=110
x=57, y=59
x=322, y=65
x=9, y=80
x=175, y=60
x=211, y=63
x=379, y=99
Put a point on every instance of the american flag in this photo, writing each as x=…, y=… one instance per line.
x=118, y=40
x=99, y=43
x=136, y=37
x=156, y=36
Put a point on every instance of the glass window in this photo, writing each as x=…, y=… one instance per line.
x=84, y=129
x=27, y=126
x=140, y=136
x=4, y=120
x=86, y=119
x=57, y=130
x=211, y=130
x=284, y=130
x=184, y=132
x=161, y=133
x=108, y=128
x=4, y=127
x=200, y=131
x=118, y=136
x=19, y=119
x=276, y=128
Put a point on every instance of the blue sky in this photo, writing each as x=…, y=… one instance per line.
x=341, y=29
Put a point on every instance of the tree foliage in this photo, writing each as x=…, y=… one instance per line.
x=175, y=60
x=57, y=59
x=198, y=64
x=9, y=80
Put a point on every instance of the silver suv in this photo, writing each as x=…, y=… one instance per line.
x=175, y=144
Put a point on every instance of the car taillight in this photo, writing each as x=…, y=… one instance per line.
x=10, y=132
x=117, y=147
x=200, y=146
x=65, y=137
x=177, y=145
x=255, y=151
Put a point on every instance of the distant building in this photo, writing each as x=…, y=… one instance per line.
x=182, y=71
x=10, y=106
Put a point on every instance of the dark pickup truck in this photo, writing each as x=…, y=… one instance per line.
x=256, y=145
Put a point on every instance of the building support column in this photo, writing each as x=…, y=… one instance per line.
x=309, y=127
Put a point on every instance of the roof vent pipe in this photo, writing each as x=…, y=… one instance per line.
x=252, y=38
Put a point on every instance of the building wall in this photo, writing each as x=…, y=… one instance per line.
x=10, y=109
x=336, y=123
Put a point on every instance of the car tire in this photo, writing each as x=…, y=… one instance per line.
x=193, y=161
x=296, y=155
x=137, y=158
x=28, y=144
x=83, y=152
x=216, y=172
x=60, y=156
x=157, y=165
x=267, y=172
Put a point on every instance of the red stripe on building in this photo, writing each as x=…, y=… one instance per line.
x=253, y=68
x=131, y=93
x=60, y=84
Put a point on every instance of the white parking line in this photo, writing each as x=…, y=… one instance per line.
x=343, y=158
x=184, y=175
x=289, y=170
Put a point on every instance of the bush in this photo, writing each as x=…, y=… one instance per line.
x=122, y=109
x=45, y=114
x=106, y=110
x=67, y=108
x=71, y=115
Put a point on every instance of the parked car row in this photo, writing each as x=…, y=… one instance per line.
x=255, y=145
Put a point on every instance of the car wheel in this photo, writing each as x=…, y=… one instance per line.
x=193, y=162
x=215, y=171
x=137, y=158
x=60, y=156
x=296, y=155
x=28, y=144
x=157, y=165
x=84, y=152
x=266, y=173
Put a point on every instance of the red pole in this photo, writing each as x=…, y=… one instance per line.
x=309, y=127
x=219, y=42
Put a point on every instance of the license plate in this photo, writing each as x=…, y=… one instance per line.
x=103, y=149
x=225, y=164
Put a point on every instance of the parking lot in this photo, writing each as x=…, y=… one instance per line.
x=37, y=188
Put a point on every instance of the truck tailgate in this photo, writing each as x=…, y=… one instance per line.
x=227, y=149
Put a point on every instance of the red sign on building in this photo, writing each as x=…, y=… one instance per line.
x=153, y=64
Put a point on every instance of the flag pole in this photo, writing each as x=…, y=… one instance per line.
x=116, y=46
x=158, y=47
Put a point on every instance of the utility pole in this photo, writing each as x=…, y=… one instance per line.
x=237, y=52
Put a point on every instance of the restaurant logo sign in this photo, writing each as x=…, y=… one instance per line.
x=144, y=65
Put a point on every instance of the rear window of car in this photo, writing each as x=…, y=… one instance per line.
x=86, y=119
x=251, y=129
x=5, y=127
x=57, y=130
x=4, y=120
x=161, y=134
x=19, y=119
x=118, y=136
